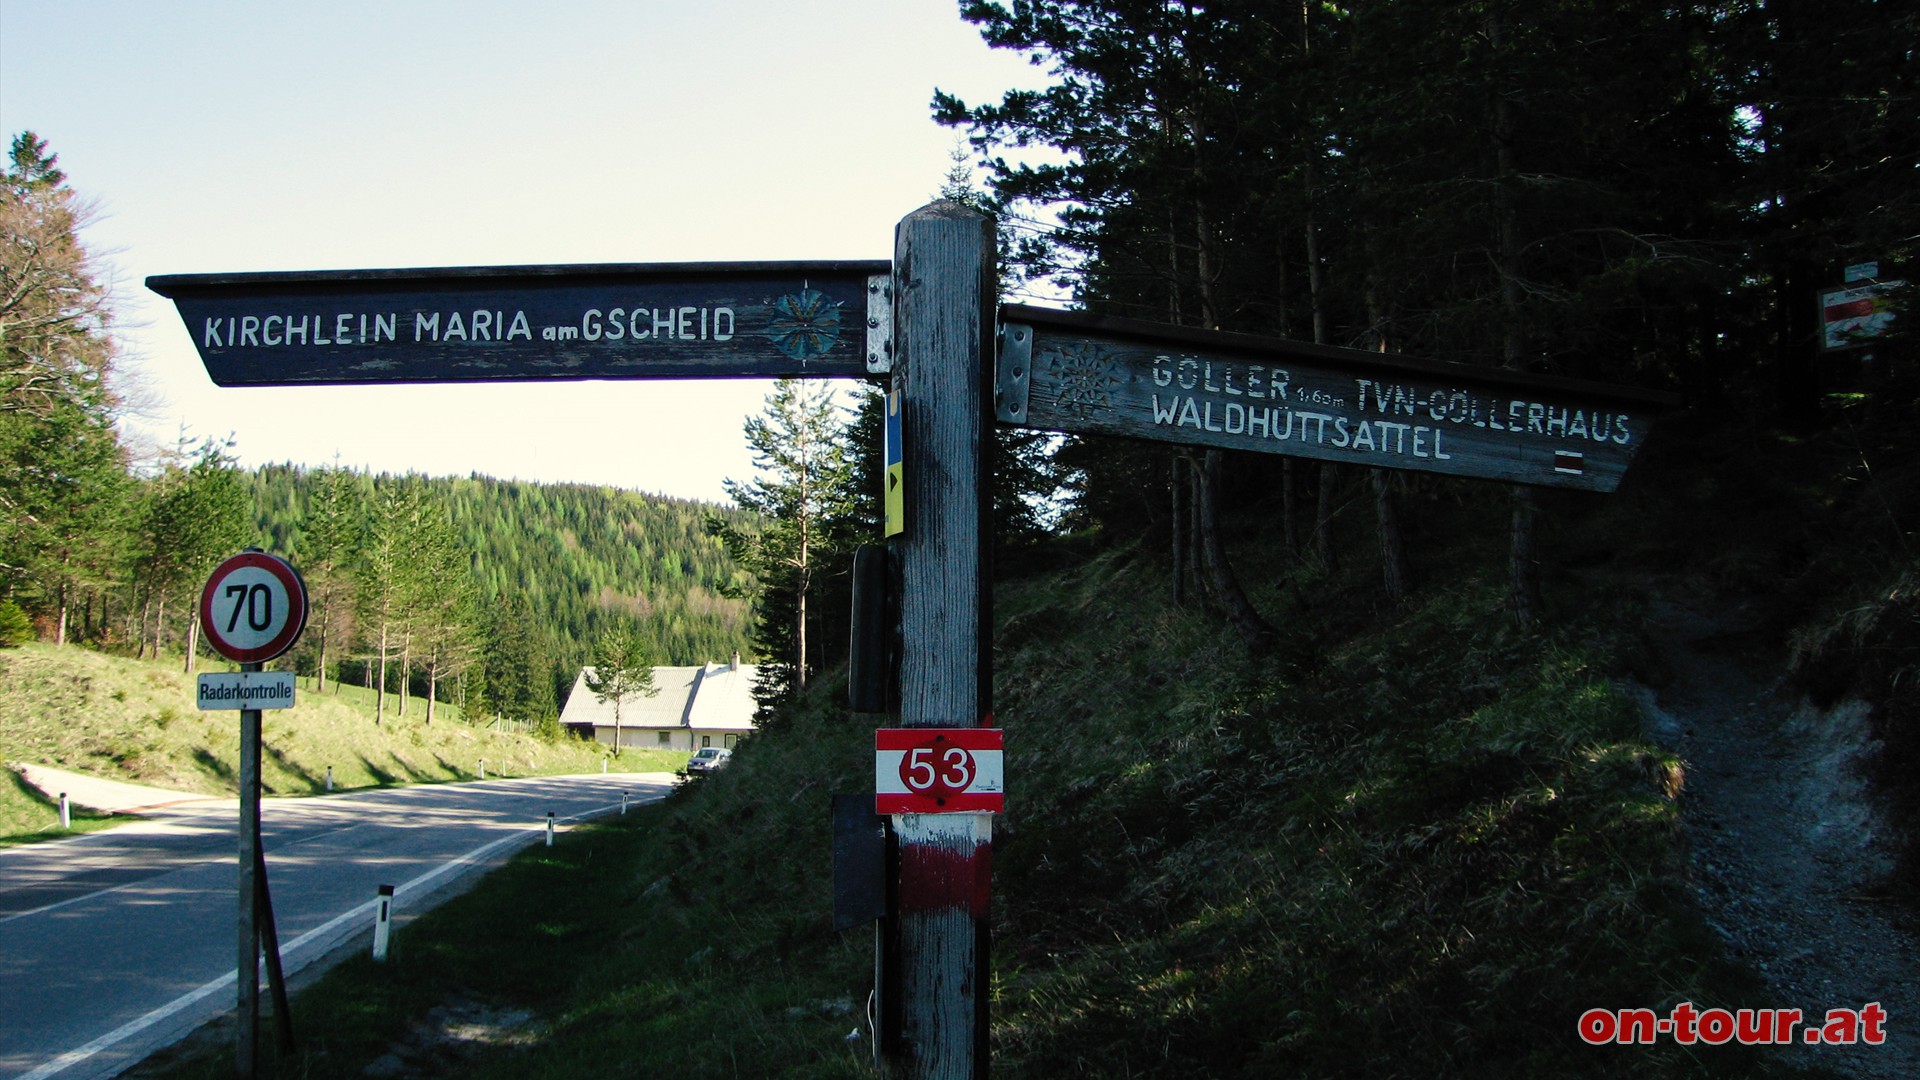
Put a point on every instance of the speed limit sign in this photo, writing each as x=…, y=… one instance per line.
x=254, y=607
x=938, y=771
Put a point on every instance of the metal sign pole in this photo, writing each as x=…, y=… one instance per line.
x=247, y=970
x=944, y=282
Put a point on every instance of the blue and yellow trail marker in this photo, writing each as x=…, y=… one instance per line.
x=896, y=472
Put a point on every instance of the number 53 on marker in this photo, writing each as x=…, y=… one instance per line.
x=938, y=771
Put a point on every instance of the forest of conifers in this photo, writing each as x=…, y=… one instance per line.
x=1648, y=194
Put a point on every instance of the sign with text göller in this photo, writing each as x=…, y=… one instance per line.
x=1061, y=371
x=476, y=324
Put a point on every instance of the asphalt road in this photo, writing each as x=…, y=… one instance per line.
x=117, y=943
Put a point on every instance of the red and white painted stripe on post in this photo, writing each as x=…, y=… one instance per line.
x=938, y=771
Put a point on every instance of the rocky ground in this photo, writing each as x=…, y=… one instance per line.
x=1789, y=851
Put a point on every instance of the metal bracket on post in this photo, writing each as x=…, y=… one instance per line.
x=1013, y=373
x=879, y=324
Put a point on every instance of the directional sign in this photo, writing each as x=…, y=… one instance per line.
x=477, y=324
x=1060, y=371
x=938, y=771
x=254, y=607
x=245, y=690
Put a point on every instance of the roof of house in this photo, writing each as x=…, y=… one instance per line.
x=707, y=697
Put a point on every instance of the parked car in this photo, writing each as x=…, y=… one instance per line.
x=707, y=759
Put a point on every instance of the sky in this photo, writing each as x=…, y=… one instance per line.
x=233, y=137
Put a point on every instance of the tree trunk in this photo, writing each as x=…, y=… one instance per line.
x=1393, y=555
x=380, y=694
x=1178, y=475
x=1523, y=559
x=1254, y=630
x=406, y=669
x=1324, y=552
x=800, y=639
x=1289, y=501
x=193, y=638
x=1523, y=568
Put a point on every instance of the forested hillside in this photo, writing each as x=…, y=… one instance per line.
x=553, y=566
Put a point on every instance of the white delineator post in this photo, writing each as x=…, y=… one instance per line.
x=934, y=980
x=66, y=812
x=383, y=923
x=549, y=828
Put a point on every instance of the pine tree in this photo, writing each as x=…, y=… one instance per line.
x=799, y=445
x=621, y=668
x=514, y=682
x=444, y=601
x=335, y=533
x=389, y=583
x=195, y=513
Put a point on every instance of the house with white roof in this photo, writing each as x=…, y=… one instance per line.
x=708, y=705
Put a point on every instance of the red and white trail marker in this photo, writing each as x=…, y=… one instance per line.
x=938, y=771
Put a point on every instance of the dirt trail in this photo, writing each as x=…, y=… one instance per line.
x=1787, y=849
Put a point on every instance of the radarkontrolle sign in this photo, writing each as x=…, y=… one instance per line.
x=1070, y=372
x=478, y=324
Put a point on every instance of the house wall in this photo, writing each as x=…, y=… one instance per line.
x=632, y=738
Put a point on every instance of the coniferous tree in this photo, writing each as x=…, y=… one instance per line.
x=514, y=682
x=195, y=513
x=621, y=668
x=389, y=589
x=334, y=535
x=1551, y=187
x=799, y=445
x=64, y=488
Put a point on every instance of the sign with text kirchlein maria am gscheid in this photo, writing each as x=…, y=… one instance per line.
x=477, y=324
x=1060, y=371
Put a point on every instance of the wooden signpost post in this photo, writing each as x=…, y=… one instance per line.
x=926, y=323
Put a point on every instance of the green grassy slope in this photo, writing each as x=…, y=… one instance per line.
x=123, y=719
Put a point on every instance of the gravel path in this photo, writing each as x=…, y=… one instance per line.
x=1788, y=850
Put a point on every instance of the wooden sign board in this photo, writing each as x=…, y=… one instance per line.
x=1061, y=371
x=479, y=324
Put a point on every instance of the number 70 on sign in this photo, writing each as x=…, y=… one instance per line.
x=938, y=771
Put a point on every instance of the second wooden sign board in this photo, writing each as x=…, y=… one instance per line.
x=1060, y=371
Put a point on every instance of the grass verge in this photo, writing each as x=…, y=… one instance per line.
x=137, y=721
x=1417, y=845
x=561, y=964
